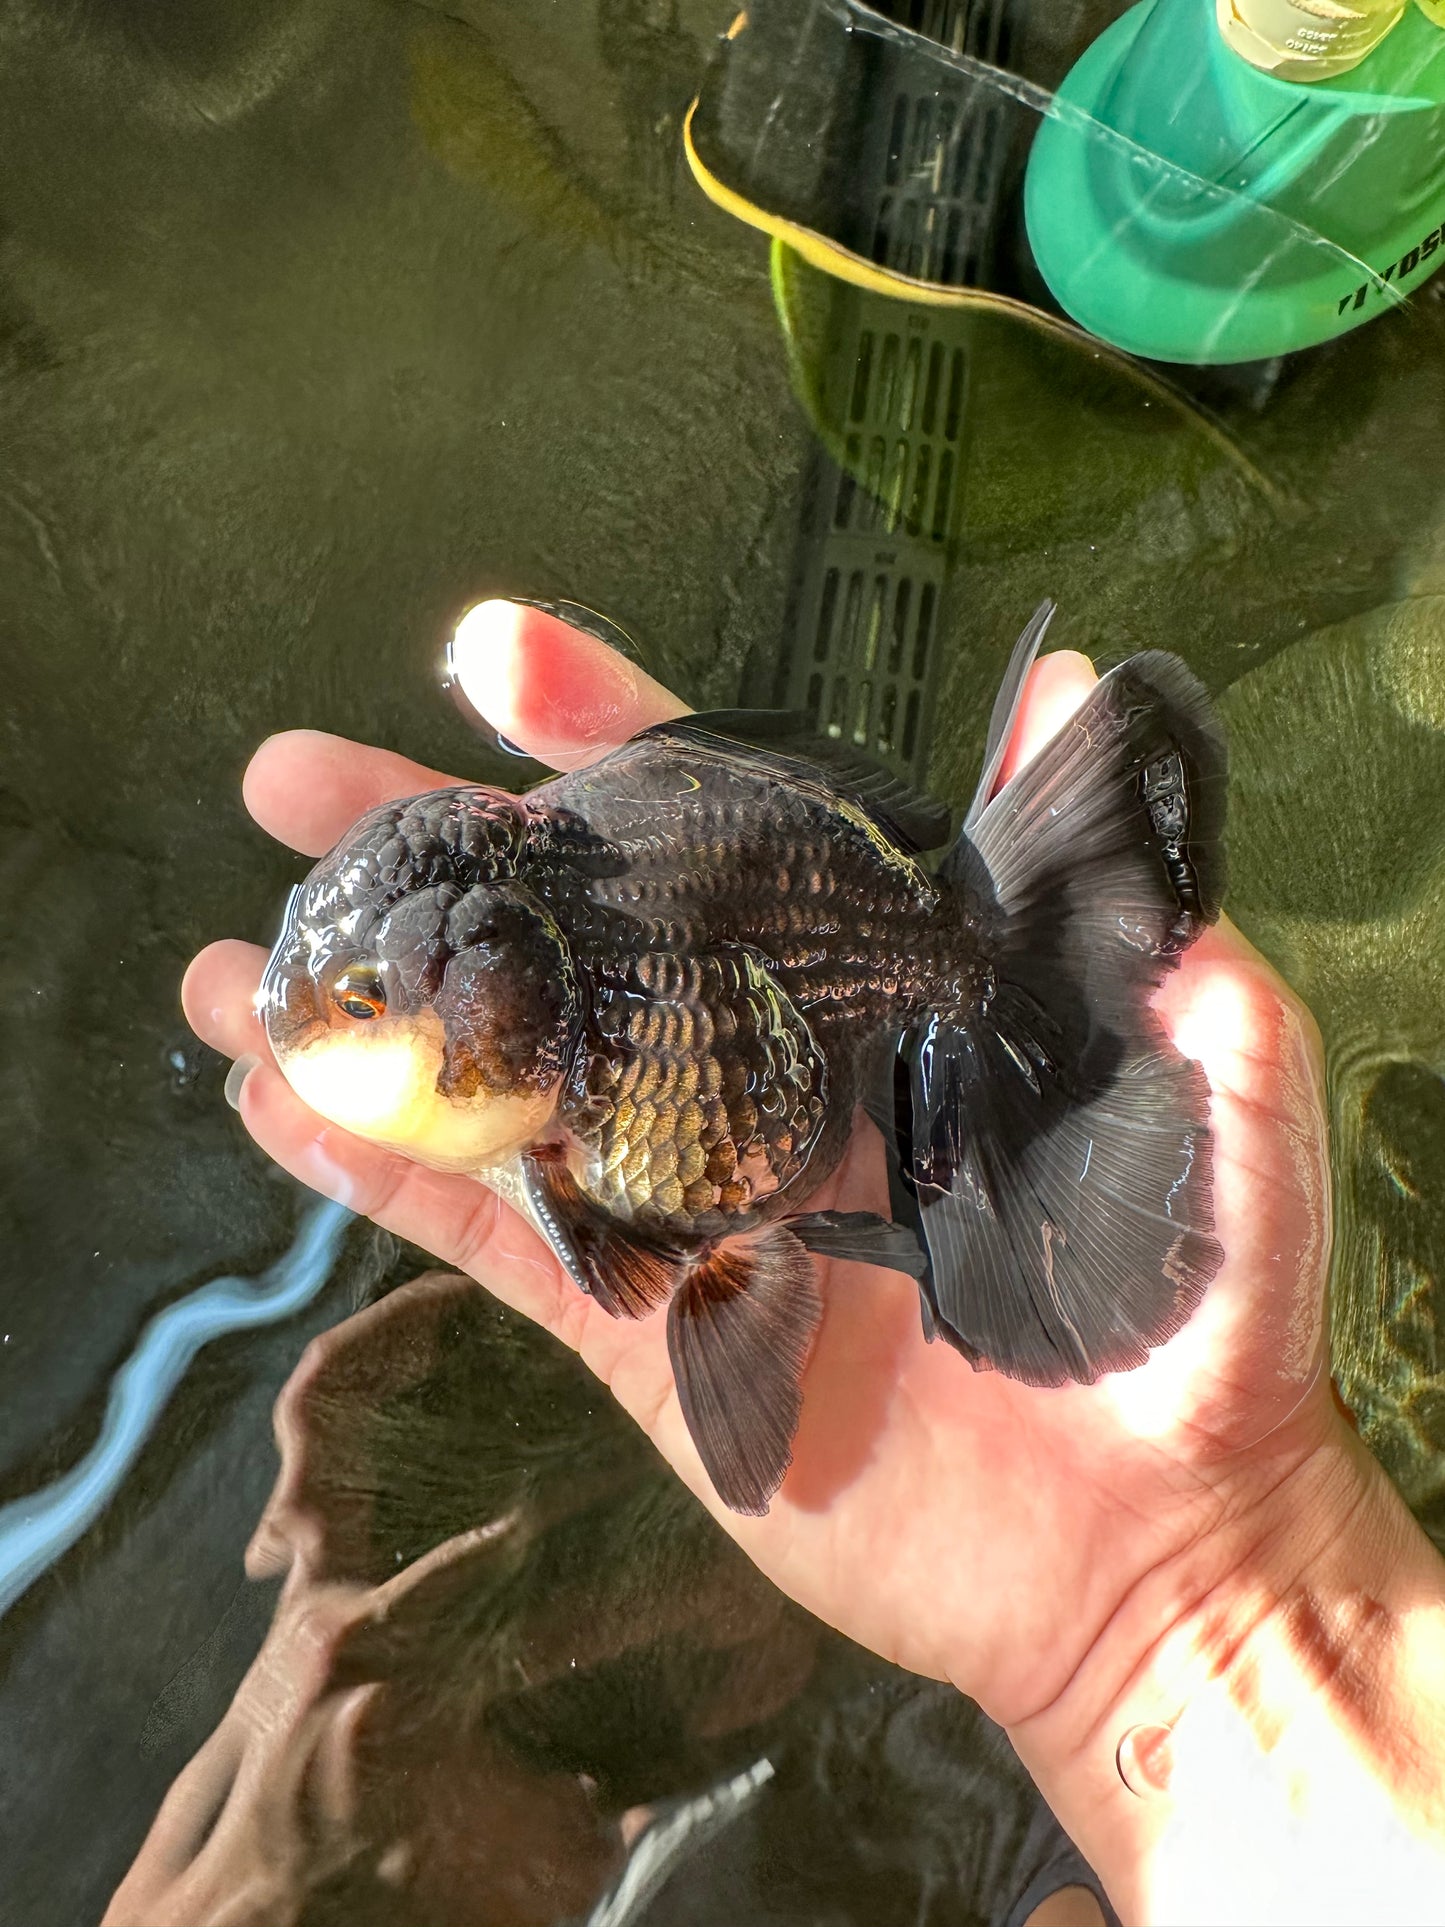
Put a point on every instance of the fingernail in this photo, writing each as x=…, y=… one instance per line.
x=480, y=654
x=236, y=1077
x=507, y=646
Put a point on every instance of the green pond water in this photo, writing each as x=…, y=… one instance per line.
x=319, y=320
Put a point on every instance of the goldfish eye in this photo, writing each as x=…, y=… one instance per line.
x=358, y=991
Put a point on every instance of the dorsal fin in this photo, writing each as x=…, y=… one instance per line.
x=914, y=819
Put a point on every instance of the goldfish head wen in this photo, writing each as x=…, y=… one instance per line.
x=419, y=995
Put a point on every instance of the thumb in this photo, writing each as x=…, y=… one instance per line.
x=1055, y=688
x=555, y=693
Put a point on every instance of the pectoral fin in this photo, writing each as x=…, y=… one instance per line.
x=739, y=1331
x=628, y=1276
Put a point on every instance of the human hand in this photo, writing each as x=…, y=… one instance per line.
x=959, y=1523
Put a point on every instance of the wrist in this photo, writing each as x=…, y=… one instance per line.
x=1271, y=1689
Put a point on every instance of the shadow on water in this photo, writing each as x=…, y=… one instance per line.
x=317, y=323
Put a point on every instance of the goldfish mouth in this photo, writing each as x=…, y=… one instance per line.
x=379, y=1080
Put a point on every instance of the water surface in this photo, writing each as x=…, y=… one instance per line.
x=319, y=321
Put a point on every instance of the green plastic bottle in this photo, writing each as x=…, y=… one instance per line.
x=1187, y=206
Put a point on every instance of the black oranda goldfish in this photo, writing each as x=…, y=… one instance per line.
x=644, y=1000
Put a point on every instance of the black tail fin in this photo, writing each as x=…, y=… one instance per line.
x=1060, y=1144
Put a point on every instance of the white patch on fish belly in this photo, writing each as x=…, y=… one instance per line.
x=379, y=1079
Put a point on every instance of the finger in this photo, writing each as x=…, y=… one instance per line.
x=186, y=1816
x=1226, y=1007
x=466, y=1225
x=1055, y=688
x=461, y=1222
x=218, y=997
x=558, y=694
x=1263, y=1316
x=307, y=788
x=453, y=1217
x=378, y=1354
x=1231, y=1011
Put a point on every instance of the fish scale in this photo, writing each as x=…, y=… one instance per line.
x=765, y=886
x=667, y=1107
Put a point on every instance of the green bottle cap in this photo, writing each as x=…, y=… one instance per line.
x=1188, y=207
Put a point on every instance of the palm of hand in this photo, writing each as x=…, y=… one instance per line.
x=956, y=1522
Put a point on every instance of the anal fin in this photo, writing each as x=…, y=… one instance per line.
x=739, y=1332
x=863, y=1238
